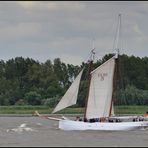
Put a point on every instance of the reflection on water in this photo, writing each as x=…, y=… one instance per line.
x=35, y=131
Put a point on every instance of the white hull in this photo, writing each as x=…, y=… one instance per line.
x=107, y=126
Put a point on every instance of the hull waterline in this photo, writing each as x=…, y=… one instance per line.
x=107, y=126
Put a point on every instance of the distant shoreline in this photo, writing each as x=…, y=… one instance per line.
x=45, y=110
x=55, y=115
x=30, y=115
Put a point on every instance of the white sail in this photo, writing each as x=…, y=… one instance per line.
x=70, y=97
x=101, y=89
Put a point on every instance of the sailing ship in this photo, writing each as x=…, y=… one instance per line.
x=99, y=109
x=99, y=106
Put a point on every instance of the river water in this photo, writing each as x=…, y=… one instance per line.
x=39, y=132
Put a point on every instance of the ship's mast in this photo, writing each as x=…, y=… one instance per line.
x=114, y=83
x=117, y=42
x=91, y=59
x=116, y=48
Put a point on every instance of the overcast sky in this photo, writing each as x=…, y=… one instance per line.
x=66, y=29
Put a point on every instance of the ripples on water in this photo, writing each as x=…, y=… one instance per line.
x=21, y=128
x=34, y=131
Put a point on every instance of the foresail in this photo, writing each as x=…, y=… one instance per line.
x=70, y=97
x=101, y=89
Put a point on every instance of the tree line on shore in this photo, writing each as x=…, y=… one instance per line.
x=24, y=81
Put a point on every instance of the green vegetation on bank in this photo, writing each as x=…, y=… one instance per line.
x=47, y=110
x=24, y=81
x=22, y=109
x=131, y=109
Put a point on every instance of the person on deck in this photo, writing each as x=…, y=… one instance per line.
x=146, y=114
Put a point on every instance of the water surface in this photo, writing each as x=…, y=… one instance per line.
x=45, y=133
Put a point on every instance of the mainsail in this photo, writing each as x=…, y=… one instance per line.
x=101, y=89
x=70, y=97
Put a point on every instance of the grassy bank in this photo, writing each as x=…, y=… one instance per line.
x=131, y=109
x=47, y=110
x=23, y=109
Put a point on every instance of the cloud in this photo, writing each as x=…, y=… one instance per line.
x=27, y=4
x=51, y=5
x=46, y=29
x=19, y=31
x=137, y=29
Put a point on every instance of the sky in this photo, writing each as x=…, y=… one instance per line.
x=44, y=30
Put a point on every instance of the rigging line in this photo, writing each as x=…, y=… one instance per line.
x=88, y=89
x=118, y=48
x=117, y=34
x=91, y=55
